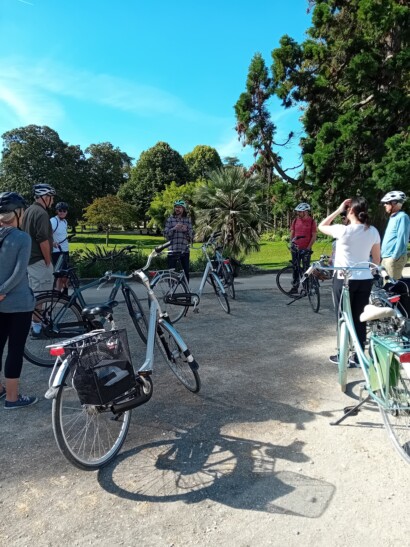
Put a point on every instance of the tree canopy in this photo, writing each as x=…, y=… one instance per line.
x=109, y=212
x=201, y=161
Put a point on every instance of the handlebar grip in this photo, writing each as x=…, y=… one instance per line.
x=162, y=247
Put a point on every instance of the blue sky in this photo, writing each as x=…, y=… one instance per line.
x=136, y=72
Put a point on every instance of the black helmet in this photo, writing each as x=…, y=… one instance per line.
x=62, y=205
x=41, y=190
x=10, y=201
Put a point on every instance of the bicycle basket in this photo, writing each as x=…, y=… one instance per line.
x=103, y=367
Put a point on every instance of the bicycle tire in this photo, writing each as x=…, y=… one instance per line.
x=220, y=293
x=284, y=280
x=343, y=355
x=52, y=303
x=397, y=419
x=165, y=284
x=177, y=360
x=136, y=313
x=313, y=292
x=229, y=281
x=87, y=436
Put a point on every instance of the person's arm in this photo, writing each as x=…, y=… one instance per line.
x=46, y=251
x=20, y=268
x=314, y=234
x=402, y=239
x=375, y=253
x=168, y=230
x=292, y=230
x=325, y=225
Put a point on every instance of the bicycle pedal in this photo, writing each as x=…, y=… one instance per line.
x=196, y=310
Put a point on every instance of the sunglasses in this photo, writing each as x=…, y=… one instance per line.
x=62, y=210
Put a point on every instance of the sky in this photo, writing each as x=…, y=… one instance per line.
x=135, y=72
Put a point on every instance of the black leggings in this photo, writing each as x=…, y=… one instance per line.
x=14, y=327
x=183, y=259
x=359, y=291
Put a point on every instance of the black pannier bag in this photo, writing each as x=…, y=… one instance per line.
x=401, y=287
x=104, y=371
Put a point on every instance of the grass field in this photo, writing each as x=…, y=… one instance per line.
x=272, y=254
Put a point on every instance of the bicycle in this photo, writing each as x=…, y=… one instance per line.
x=307, y=285
x=61, y=315
x=173, y=288
x=386, y=369
x=224, y=270
x=94, y=387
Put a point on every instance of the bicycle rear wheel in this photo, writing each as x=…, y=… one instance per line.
x=182, y=364
x=228, y=280
x=220, y=292
x=284, y=280
x=136, y=313
x=165, y=286
x=313, y=292
x=396, y=419
x=59, y=322
x=88, y=436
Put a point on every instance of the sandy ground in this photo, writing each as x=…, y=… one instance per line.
x=250, y=460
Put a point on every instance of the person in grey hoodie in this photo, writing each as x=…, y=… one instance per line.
x=16, y=297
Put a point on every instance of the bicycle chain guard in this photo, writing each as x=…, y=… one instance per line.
x=182, y=299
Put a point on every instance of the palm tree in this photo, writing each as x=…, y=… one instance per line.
x=230, y=202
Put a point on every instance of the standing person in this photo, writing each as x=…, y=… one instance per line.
x=16, y=297
x=396, y=236
x=355, y=243
x=59, y=227
x=304, y=227
x=178, y=230
x=36, y=223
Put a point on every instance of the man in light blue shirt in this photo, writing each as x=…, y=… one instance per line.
x=397, y=234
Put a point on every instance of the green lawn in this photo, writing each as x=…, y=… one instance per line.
x=272, y=254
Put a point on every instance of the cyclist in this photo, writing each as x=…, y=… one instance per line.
x=36, y=223
x=303, y=227
x=60, y=241
x=178, y=230
x=16, y=297
x=355, y=243
x=396, y=236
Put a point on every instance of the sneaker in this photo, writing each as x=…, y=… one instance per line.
x=23, y=400
x=36, y=335
x=334, y=359
x=293, y=290
x=353, y=361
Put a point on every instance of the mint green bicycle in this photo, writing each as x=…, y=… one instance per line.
x=386, y=368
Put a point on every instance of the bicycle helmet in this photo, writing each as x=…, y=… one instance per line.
x=180, y=203
x=396, y=195
x=302, y=207
x=10, y=201
x=41, y=190
x=62, y=205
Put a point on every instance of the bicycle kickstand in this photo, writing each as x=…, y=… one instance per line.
x=350, y=411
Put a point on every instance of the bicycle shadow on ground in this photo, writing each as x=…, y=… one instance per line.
x=202, y=463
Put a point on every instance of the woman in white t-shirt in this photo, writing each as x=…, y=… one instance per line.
x=356, y=242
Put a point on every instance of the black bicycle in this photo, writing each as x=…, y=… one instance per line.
x=291, y=280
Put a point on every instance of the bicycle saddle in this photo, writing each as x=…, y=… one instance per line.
x=371, y=313
x=99, y=309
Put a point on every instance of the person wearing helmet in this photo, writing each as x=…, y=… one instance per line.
x=36, y=223
x=178, y=230
x=16, y=297
x=304, y=229
x=396, y=236
x=60, y=243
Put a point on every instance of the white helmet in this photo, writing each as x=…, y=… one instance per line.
x=396, y=195
x=302, y=207
x=43, y=190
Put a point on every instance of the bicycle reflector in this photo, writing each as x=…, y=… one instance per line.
x=227, y=261
x=394, y=299
x=57, y=351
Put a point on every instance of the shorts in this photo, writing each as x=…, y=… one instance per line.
x=56, y=256
x=40, y=276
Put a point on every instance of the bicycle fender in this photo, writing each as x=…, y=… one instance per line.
x=56, y=379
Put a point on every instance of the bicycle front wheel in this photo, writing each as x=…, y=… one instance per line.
x=220, y=292
x=396, y=418
x=137, y=314
x=88, y=436
x=165, y=287
x=182, y=364
x=313, y=292
x=284, y=280
x=59, y=321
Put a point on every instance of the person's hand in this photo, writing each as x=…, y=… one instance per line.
x=2, y=297
x=55, y=244
x=345, y=205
